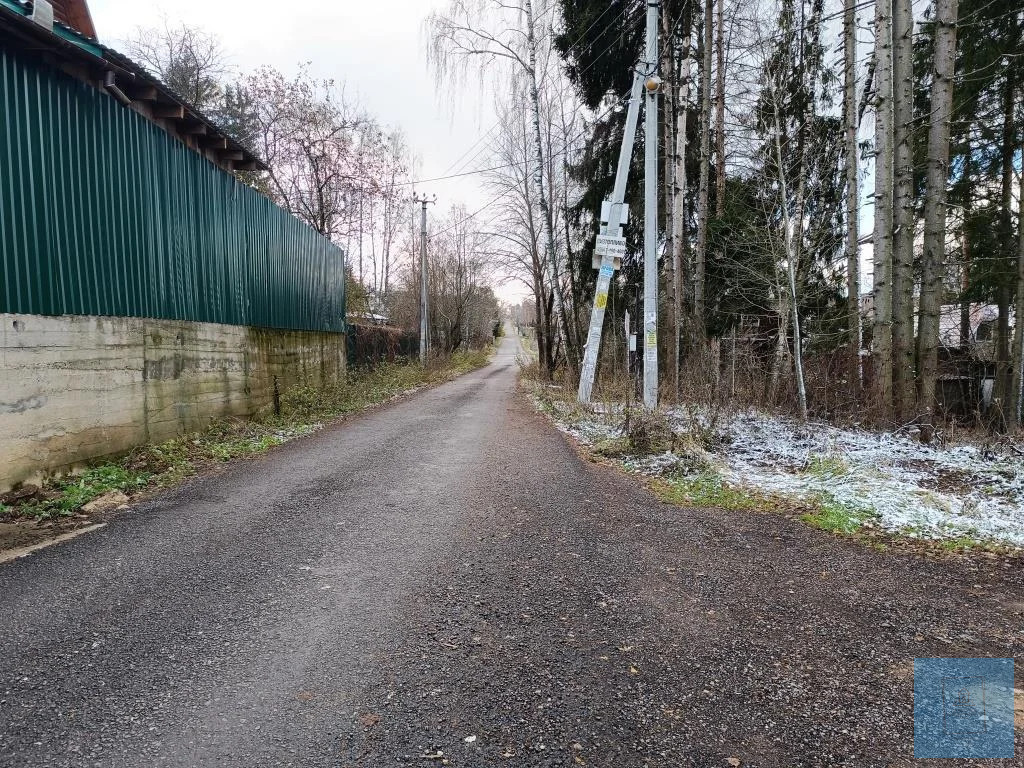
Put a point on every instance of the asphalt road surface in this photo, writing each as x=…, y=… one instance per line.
x=446, y=580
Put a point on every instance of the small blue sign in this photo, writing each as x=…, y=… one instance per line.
x=607, y=271
x=963, y=708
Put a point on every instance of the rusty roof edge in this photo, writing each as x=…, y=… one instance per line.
x=136, y=70
x=70, y=40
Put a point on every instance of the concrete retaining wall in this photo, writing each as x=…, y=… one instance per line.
x=75, y=388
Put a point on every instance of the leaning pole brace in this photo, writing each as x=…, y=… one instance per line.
x=611, y=245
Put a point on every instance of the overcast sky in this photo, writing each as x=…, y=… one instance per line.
x=375, y=48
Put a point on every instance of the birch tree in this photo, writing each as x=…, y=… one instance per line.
x=487, y=32
x=678, y=218
x=1018, y=328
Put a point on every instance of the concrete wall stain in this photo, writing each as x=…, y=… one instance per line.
x=78, y=388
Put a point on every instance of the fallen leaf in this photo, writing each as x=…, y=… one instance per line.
x=369, y=719
x=633, y=670
x=733, y=761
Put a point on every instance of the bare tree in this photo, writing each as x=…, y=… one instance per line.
x=306, y=132
x=1017, y=416
x=703, y=193
x=189, y=60
x=487, y=32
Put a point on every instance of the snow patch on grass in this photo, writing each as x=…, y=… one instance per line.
x=854, y=477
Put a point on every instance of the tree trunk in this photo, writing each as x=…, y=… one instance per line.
x=852, y=189
x=933, y=261
x=720, y=113
x=1017, y=411
x=548, y=226
x=789, y=227
x=668, y=116
x=903, y=209
x=1003, y=388
x=680, y=254
x=781, y=347
x=881, y=341
x=702, y=190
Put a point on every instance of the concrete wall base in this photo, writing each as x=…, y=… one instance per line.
x=77, y=388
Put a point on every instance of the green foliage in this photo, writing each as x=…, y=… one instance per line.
x=826, y=466
x=613, y=447
x=69, y=495
x=830, y=514
x=708, y=490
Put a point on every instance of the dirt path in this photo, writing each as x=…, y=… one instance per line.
x=449, y=568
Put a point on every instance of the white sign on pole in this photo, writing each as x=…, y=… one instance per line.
x=610, y=245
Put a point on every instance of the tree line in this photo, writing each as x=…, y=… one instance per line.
x=336, y=167
x=840, y=190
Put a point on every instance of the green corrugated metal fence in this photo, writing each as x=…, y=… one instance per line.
x=104, y=213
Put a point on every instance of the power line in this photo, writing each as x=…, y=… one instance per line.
x=559, y=153
x=497, y=124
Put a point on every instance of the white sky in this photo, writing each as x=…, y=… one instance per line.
x=377, y=49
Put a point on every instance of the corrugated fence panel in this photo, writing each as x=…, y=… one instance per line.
x=104, y=213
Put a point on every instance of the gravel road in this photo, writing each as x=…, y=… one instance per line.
x=444, y=581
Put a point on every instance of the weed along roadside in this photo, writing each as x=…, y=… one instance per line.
x=886, y=491
x=31, y=514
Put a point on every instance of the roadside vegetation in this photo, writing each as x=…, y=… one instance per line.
x=303, y=410
x=888, y=491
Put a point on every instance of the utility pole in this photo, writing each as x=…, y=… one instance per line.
x=652, y=85
x=611, y=244
x=424, y=201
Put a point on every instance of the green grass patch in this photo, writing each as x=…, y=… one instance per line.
x=612, y=447
x=64, y=497
x=826, y=466
x=303, y=410
x=829, y=514
x=707, y=490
